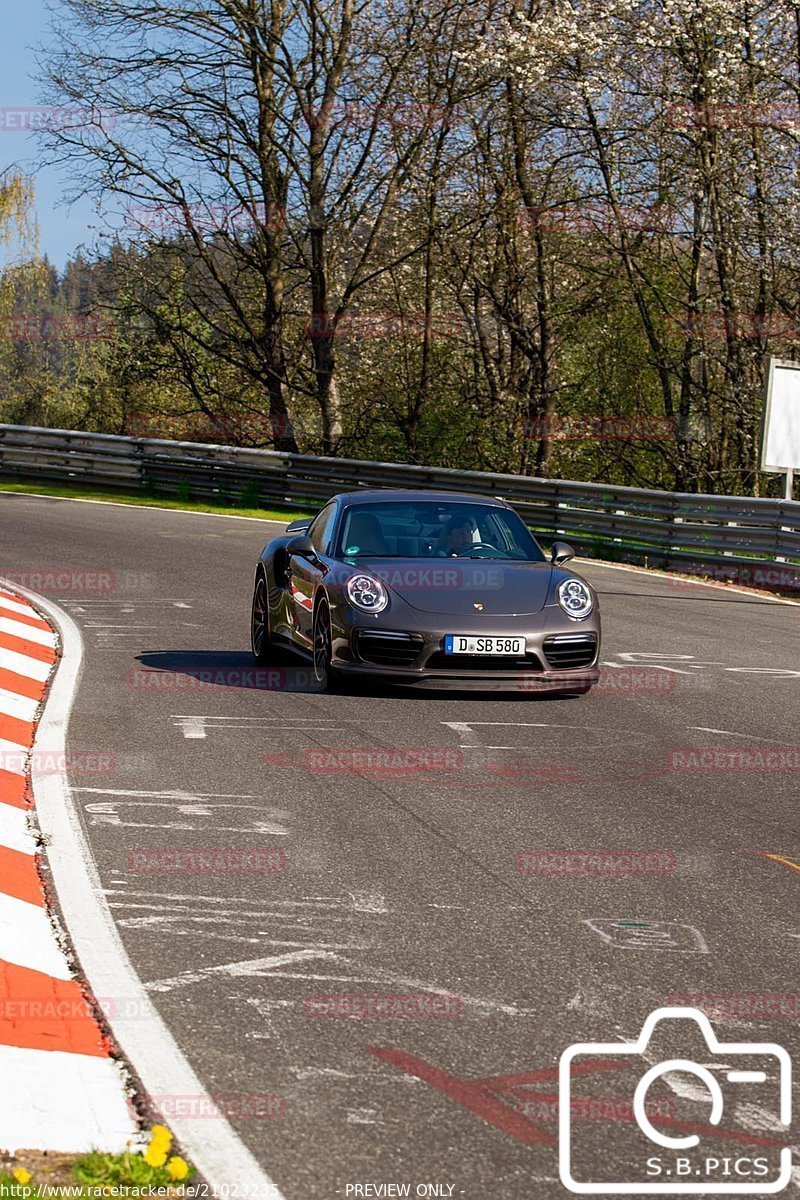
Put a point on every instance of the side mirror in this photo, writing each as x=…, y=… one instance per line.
x=302, y=546
x=562, y=552
x=299, y=526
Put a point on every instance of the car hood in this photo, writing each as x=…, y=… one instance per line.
x=457, y=585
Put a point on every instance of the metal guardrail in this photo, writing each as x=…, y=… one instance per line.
x=750, y=540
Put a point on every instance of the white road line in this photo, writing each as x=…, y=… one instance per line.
x=78, y=1102
x=24, y=610
x=680, y=580
x=22, y=664
x=14, y=831
x=31, y=633
x=13, y=757
x=27, y=939
x=252, y=967
x=220, y=1156
x=14, y=705
x=180, y=797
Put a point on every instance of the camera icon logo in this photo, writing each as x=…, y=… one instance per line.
x=669, y=1155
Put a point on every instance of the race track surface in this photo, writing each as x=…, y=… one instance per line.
x=403, y=880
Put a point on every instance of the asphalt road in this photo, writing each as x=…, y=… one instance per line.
x=402, y=882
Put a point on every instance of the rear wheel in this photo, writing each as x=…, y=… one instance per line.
x=260, y=642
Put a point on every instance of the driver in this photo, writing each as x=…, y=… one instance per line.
x=458, y=535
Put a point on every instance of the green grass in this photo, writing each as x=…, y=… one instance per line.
x=246, y=509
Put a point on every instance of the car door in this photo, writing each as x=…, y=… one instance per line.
x=305, y=573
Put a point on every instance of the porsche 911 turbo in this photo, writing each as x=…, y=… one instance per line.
x=435, y=589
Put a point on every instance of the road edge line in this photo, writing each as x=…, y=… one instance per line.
x=145, y=1041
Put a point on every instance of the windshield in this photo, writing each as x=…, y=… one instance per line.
x=435, y=529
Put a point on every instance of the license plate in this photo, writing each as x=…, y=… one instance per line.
x=514, y=647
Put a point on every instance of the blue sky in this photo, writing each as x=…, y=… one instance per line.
x=61, y=229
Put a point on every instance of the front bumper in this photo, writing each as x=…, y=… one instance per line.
x=559, y=654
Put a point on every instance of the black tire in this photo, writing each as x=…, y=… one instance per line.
x=260, y=642
x=323, y=674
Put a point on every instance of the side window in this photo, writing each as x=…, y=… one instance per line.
x=320, y=528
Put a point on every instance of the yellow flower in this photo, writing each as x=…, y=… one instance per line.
x=177, y=1167
x=21, y=1175
x=160, y=1135
x=155, y=1155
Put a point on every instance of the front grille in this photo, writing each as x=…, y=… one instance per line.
x=565, y=651
x=388, y=649
x=482, y=662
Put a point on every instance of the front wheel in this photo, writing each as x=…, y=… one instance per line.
x=322, y=647
x=260, y=642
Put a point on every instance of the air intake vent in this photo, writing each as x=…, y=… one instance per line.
x=565, y=651
x=386, y=649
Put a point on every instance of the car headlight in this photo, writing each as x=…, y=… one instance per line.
x=367, y=593
x=575, y=599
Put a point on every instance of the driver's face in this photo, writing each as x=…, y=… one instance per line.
x=461, y=536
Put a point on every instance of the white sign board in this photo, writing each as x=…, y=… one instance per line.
x=780, y=443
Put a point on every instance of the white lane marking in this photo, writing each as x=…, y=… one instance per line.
x=249, y=968
x=21, y=664
x=13, y=757
x=133, y=508
x=31, y=633
x=24, y=610
x=14, y=831
x=213, y=1146
x=14, y=705
x=750, y=737
x=196, y=726
x=192, y=727
x=62, y=1102
x=368, y=902
x=178, y=796
x=679, y=580
x=27, y=938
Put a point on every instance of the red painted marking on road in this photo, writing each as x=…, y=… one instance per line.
x=38, y=1012
x=19, y=877
x=23, y=685
x=14, y=729
x=479, y=1096
x=45, y=654
x=14, y=790
x=473, y=1094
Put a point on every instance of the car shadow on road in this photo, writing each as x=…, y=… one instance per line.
x=201, y=671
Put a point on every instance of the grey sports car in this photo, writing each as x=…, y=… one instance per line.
x=426, y=588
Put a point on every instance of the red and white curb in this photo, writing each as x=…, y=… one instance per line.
x=84, y=1105
x=61, y=1090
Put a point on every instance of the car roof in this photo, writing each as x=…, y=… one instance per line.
x=346, y=499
